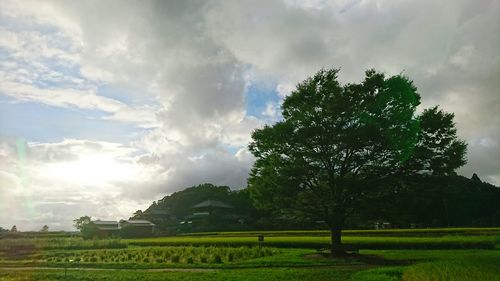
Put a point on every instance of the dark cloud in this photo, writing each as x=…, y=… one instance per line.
x=196, y=59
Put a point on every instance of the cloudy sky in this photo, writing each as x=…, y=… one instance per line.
x=106, y=106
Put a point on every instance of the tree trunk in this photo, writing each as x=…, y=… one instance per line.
x=336, y=237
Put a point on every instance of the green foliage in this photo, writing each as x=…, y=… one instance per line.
x=86, y=227
x=179, y=204
x=332, y=139
x=338, y=145
x=433, y=201
x=438, y=151
x=81, y=222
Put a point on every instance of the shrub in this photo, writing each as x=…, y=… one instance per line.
x=230, y=257
x=217, y=259
x=175, y=259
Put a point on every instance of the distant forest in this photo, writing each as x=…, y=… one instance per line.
x=420, y=201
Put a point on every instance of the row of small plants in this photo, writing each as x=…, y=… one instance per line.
x=162, y=255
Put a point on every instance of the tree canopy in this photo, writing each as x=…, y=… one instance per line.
x=83, y=224
x=336, y=142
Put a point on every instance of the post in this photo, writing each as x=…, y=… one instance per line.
x=261, y=240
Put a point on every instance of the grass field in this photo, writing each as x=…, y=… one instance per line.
x=362, y=242
x=408, y=255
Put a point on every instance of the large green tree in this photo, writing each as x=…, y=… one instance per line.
x=334, y=144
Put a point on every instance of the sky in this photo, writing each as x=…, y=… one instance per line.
x=106, y=106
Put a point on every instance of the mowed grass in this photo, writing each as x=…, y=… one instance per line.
x=462, y=231
x=436, y=265
x=478, y=269
x=268, y=274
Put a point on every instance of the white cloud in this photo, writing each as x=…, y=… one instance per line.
x=186, y=66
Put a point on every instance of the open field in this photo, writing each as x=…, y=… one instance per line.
x=457, y=254
x=463, y=231
x=362, y=242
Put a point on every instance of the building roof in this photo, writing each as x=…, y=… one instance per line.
x=139, y=222
x=100, y=222
x=106, y=225
x=211, y=203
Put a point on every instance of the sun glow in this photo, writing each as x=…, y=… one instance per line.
x=94, y=169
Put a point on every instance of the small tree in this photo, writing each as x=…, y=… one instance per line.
x=87, y=229
x=13, y=229
x=45, y=228
x=335, y=143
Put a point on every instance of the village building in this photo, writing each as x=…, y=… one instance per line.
x=137, y=228
x=208, y=215
x=105, y=229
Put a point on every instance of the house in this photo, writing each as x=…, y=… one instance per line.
x=211, y=205
x=208, y=215
x=104, y=229
x=158, y=216
x=137, y=228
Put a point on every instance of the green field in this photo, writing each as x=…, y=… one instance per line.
x=362, y=242
x=409, y=255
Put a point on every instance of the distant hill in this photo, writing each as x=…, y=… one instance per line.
x=420, y=201
x=173, y=209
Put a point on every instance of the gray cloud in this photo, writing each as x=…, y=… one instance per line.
x=196, y=59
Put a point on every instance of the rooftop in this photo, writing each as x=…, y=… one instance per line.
x=211, y=203
x=100, y=222
x=139, y=222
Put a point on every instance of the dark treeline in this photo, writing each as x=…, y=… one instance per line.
x=420, y=201
x=438, y=201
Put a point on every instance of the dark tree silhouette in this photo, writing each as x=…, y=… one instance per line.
x=334, y=143
x=475, y=178
x=438, y=151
